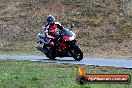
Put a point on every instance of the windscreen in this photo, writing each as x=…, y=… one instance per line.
x=66, y=32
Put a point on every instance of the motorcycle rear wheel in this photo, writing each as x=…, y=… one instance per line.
x=50, y=54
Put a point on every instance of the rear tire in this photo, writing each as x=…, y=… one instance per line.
x=51, y=55
x=76, y=53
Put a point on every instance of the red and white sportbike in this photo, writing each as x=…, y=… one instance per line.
x=64, y=45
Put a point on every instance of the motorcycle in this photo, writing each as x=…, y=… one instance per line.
x=64, y=45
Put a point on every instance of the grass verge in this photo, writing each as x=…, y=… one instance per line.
x=26, y=74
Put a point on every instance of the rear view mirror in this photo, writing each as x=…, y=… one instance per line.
x=72, y=25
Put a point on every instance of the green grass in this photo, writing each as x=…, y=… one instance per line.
x=26, y=74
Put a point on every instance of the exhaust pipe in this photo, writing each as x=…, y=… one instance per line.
x=41, y=49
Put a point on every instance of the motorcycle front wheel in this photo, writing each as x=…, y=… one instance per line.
x=77, y=53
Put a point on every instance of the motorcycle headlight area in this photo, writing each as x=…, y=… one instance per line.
x=41, y=35
x=72, y=38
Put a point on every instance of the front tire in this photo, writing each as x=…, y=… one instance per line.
x=77, y=53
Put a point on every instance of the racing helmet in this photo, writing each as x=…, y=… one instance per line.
x=50, y=19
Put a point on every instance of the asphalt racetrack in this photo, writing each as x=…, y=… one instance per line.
x=69, y=60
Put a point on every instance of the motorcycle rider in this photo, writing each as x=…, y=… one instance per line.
x=50, y=31
x=51, y=28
